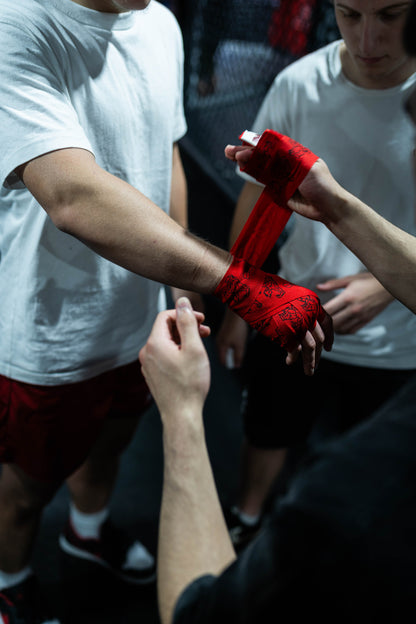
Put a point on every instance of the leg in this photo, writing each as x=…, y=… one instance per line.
x=275, y=418
x=92, y=484
x=90, y=534
x=259, y=470
x=278, y=410
x=22, y=500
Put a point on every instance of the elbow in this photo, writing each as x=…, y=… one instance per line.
x=67, y=212
x=62, y=216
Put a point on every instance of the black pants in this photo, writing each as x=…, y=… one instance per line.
x=283, y=407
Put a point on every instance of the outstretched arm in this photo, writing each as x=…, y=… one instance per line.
x=179, y=213
x=118, y=222
x=193, y=538
x=388, y=252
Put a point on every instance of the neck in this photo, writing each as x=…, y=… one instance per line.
x=373, y=80
x=104, y=6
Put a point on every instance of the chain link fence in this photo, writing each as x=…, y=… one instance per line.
x=234, y=49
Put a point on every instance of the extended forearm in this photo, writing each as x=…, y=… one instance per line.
x=387, y=251
x=120, y=223
x=143, y=239
x=193, y=538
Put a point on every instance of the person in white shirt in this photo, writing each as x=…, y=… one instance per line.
x=344, y=102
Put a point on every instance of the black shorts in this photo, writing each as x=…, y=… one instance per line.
x=282, y=407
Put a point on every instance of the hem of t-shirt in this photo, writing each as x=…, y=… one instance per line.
x=67, y=377
x=387, y=362
x=34, y=150
x=180, y=133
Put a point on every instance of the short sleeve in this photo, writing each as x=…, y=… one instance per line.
x=36, y=115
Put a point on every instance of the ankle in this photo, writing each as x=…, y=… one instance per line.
x=87, y=525
x=9, y=579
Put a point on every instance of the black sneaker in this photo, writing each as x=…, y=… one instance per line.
x=127, y=559
x=241, y=533
x=24, y=604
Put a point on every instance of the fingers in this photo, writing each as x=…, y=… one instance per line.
x=327, y=327
x=310, y=353
x=334, y=284
x=311, y=350
x=165, y=333
x=311, y=346
x=186, y=322
x=239, y=153
x=230, y=352
x=292, y=356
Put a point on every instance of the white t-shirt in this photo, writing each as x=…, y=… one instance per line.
x=111, y=84
x=367, y=141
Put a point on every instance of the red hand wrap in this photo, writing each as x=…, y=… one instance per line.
x=276, y=308
x=281, y=164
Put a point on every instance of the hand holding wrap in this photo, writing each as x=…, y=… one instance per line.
x=276, y=308
x=280, y=163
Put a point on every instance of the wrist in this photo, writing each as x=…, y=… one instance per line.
x=182, y=425
x=339, y=209
x=348, y=221
x=183, y=441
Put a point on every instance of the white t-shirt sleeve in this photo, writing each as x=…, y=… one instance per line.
x=36, y=115
x=180, y=120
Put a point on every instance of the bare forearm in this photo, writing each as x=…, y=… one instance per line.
x=179, y=190
x=120, y=223
x=387, y=251
x=193, y=538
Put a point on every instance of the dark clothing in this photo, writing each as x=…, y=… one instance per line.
x=340, y=546
x=281, y=404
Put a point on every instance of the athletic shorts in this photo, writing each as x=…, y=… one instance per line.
x=275, y=413
x=48, y=431
x=282, y=407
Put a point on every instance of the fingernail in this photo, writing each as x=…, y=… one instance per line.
x=183, y=303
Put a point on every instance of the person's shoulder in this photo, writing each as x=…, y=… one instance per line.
x=25, y=16
x=164, y=16
x=161, y=20
x=311, y=66
x=20, y=12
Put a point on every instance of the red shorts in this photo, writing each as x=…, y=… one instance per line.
x=49, y=430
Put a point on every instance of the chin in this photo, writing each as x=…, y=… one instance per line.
x=132, y=5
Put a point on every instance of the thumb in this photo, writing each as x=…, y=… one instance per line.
x=333, y=284
x=186, y=322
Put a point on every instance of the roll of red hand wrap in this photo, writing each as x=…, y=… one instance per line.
x=280, y=163
x=276, y=308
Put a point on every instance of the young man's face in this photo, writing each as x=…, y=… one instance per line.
x=373, y=54
x=114, y=6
